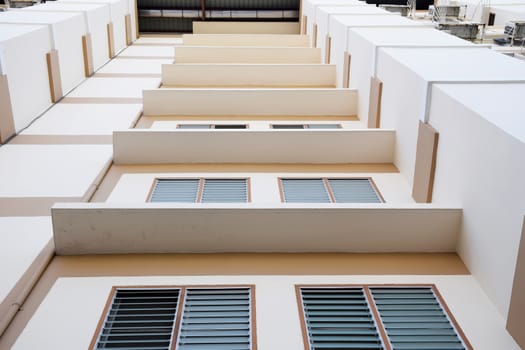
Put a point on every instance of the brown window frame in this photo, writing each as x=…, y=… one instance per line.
x=179, y=311
x=373, y=309
x=200, y=189
x=327, y=186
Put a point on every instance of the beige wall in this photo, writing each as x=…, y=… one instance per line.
x=75, y=304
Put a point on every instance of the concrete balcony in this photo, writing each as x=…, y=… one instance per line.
x=144, y=146
x=136, y=228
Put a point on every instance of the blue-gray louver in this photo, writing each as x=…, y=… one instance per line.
x=414, y=319
x=339, y=318
x=140, y=319
x=175, y=190
x=224, y=191
x=305, y=191
x=354, y=191
x=217, y=319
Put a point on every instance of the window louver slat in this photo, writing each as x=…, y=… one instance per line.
x=353, y=191
x=147, y=328
x=353, y=328
x=175, y=190
x=418, y=322
x=224, y=191
x=209, y=327
x=305, y=191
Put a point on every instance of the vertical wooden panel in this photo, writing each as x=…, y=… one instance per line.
x=425, y=168
x=129, y=35
x=314, y=36
x=7, y=123
x=346, y=69
x=87, y=50
x=304, y=25
x=328, y=47
x=53, y=71
x=516, y=317
x=374, y=105
x=111, y=40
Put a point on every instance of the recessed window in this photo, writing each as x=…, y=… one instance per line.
x=333, y=190
x=382, y=317
x=149, y=318
x=305, y=126
x=200, y=190
x=212, y=126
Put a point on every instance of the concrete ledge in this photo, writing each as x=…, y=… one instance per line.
x=142, y=146
x=232, y=54
x=250, y=102
x=249, y=75
x=92, y=228
x=287, y=40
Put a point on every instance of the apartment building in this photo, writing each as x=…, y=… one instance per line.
x=351, y=181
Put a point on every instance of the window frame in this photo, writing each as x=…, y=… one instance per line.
x=327, y=186
x=212, y=126
x=306, y=126
x=200, y=188
x=175, y=333
x=374, y=311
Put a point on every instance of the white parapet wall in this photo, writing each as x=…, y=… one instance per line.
x=246, y=102
x=96, y=16
x=20, y=46
x=210, y=27
x=289, y=40
x=310, y=7
x=325, y=13
x=364, y=43
x=341, y=24
x=248, y=75
x=408, y=76
x=480, y=165
x=118, y=12
x=66, y=30
x=231, y=54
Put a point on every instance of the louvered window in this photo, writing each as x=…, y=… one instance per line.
x=414, y=319
x=200, y=190
x=140, y=319
x=407, y=318
x=212, y=126
x=216, y=319
x=205, y=318
x=339, y=318
x=329, y=191
x=306, y=126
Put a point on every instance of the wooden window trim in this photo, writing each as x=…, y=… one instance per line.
x=373, y=308
x=326, y=183
x=179, y=311
x=200, y=189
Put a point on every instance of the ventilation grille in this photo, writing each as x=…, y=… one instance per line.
x=175, y=190
x=140, y=319
x=414, y=319
x=353, y=191
x=217, y=319
x=339, y=318
x=224, y=191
